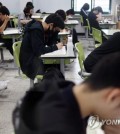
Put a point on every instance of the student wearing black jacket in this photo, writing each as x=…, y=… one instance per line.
x=110, y=46
x=33, y=44
x=84, y=14
x=61, y=107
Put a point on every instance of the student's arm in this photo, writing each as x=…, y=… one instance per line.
x=3, y=26
x=99, y=17
x=37, y=40
x=24, y=21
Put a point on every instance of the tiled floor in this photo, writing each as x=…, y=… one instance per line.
x=18, y=86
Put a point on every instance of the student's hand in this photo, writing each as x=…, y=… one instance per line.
x=59, y=45
x=111, y=129
x=7, y=18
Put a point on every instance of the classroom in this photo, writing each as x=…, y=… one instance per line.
x=59, y=67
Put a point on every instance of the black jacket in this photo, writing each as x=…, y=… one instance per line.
x=53, y=112
x=33, y=45
x=112, y=45
x=85, y=16
x=93, y=22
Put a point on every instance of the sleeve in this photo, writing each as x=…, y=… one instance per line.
x=37, y=41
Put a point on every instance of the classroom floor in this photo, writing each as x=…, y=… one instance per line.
x=18, y=86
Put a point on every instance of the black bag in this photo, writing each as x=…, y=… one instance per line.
x=53, y=74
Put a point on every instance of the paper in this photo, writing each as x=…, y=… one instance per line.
x=59, y=52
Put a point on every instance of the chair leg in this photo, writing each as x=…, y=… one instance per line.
x=2, y=56
x=31, y=83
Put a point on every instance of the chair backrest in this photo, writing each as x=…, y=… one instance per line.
x=16, y=52
x=97, y=35
x=81, y=20
x=88, y=24
x=81, y=55
x=15, y=20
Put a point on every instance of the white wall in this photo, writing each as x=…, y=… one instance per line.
x=12, y=5
x=50, y=6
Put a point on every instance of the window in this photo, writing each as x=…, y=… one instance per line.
x=105, y=4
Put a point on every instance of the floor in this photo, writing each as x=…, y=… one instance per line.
x=18, y=86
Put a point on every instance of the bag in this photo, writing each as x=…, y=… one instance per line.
x=53, y=74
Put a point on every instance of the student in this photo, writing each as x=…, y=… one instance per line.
x=4, y=23
x=26, y=16
x=61, y=107
x=94, y=17
x=52, y=38
x=84, y=14
x=33, y=44
x=110, y=46
x=70, y=12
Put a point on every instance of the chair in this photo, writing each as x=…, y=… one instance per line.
x=15, y=20
x=16, y=51
x=1, y=51
x=85, y=27
x=97, y=36
x=81, y=58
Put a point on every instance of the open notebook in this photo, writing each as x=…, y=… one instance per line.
x=60, y=52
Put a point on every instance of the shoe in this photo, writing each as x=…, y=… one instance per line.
x=3, y=85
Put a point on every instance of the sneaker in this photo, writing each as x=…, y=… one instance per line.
x=3, y=85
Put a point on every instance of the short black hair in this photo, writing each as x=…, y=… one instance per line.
x=70, y=12
x=29, y=4
x=27, y=9
x=100, y=10
x=106, y=73
x=86, y=6
x=61, y=13
x=56, y=20
x=4, y=10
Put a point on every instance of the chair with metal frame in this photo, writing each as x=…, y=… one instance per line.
x=81, y=58
x=16, y=52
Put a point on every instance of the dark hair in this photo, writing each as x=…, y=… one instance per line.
x=61, y=13
x=106, y=73
x=4, y=10
x=99, y=9
x=86, y=6
x=29, y=4
x=56, y=20
x=1, y=4
x=70, y=12
x=27, y=10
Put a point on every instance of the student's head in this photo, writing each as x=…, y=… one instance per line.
x=95, y=11
x=28, y=11
x=70, y=12
x=29, y=4
x=61, y=13
x=104, y=83
x=86, y=6
x=3, y=12
x=55, y=22
x=100, y=10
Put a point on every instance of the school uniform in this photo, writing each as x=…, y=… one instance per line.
x=85, y=16
x=112, y=45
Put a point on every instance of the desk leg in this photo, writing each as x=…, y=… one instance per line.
x=62, y=66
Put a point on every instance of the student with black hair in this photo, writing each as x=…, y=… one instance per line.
x=112, y=45
x=70, y=12
x=26, y=16
x=61, y=107
x=4, y=23
x=33, y=44
x=83, y=13
x=29, y=4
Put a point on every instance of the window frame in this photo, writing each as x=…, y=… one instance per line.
x=92, y=1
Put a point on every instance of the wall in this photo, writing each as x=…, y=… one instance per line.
x=12, y=5
x=51, y=6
